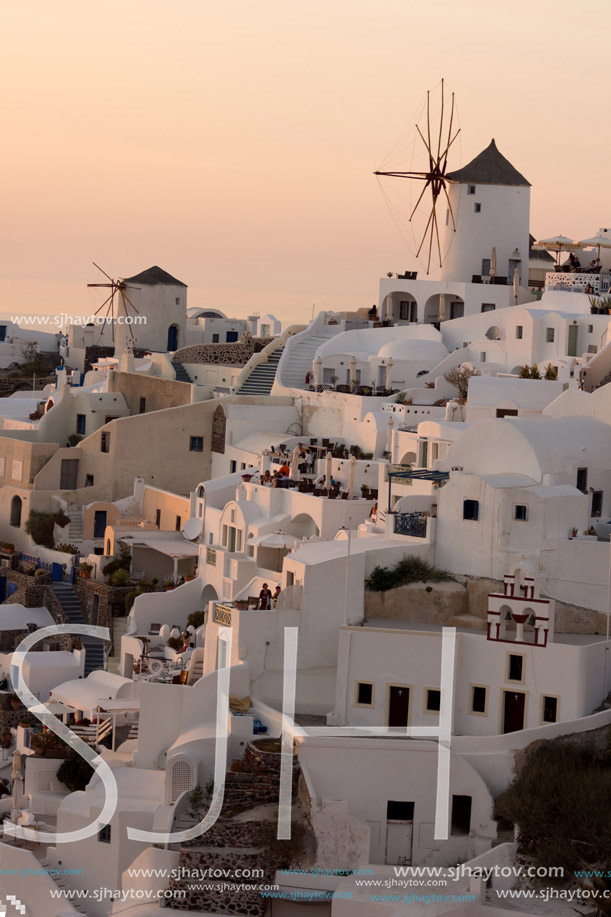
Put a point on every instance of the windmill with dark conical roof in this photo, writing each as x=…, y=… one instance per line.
x=147, y=310
x=467, y=211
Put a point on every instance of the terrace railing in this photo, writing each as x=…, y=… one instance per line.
x=410, y=524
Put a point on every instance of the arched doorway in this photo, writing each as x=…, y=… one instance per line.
x=16, y=506
x=173, y=337
x=303, y=526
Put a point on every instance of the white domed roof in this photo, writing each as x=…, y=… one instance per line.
x=413, y=350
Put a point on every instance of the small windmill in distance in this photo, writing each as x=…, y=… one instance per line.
x=435, y=176
x=117, y=288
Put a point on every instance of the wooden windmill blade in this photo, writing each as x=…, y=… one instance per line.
x=437, y=142
x=117, y=288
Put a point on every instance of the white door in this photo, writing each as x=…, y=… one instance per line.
x=399, y=842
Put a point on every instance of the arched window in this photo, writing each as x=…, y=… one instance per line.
x=181, y=779
x=16, y=511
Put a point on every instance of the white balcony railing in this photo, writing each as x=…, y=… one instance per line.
x=594, y=284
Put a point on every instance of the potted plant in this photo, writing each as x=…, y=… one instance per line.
x=169, y=584
x=85, y=570
x=78, y=645
x=8, y=548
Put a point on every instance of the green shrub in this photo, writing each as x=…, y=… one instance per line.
x=120, y=577
x=409, y=570
x=75, y=773
x=559, y=802
x=196, y=619
x=122, y=562
x=40, y=526
x=66, y=548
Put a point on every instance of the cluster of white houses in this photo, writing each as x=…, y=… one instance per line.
x=246, y=495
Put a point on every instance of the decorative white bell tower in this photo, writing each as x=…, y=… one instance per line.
x=521, y=603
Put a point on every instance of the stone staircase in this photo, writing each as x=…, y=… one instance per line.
x=261, y=379
x=119, y=626
x=299, y=356
x=75, y=528
x=180, y=373
x=52, y=872
x=71, y=606
x=238, y=840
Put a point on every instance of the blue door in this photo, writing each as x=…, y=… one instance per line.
x=99, y=523
x=57, y=572
x=172, y=337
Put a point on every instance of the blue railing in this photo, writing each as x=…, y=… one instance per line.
x=410, y=524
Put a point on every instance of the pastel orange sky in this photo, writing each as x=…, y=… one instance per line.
x=233, y=142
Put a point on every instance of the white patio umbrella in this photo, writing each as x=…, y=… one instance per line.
x=516, y=284
x=351, y=476
x=17, y=785
x=389, y=430
x=557, y=244
x=493, y=262
x=598, y=241
x=318, y=371
x=389, y=366
x=328, y=469
x=352, y=370
x=295, y=464
x=278, y=540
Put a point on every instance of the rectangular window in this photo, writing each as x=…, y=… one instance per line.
x=485, y=267
x=224, y=536
x=515, y=667
x=519, y=332
x=520, y=511
x=488, y=307
x=471, y=189
x=470, y=510
x=196, y=444
x=432, y=700
x=104, y=835
x=105, y=442
x=211, y=557
x=582, y=480
x=290, y=578
x=81, y=424
x=364, y=694
x=142, y=407
x=158, y=518
x=242, y=466
x=88, y=480
x=590, y=329
x=549, y=709
x=477, y=208
x=215, y=338
x=549, y=335
x=597, y=503
x=233, y=466
x=461, y=815
x=478, y=701
x=506, y=412
x=177, y=300
x=178, y=524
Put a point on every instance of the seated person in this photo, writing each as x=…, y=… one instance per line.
x=284, y=470
x=574, y=263
x=186, y=654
